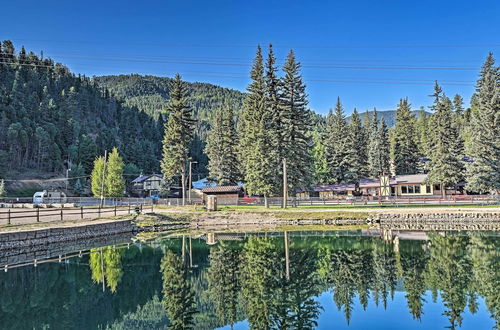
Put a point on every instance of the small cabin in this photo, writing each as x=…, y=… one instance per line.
x=226, y=195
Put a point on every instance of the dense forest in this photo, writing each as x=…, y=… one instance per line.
x=51, y=119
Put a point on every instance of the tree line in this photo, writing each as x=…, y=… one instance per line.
x=246, y=138
x=452, y=144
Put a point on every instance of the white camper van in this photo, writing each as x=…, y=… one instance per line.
x=49, y=197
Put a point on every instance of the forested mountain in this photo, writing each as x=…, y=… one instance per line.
x=388, y=115
x=151, y=94
x=51, y=118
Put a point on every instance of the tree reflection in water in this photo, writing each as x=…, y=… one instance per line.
x=271, y=282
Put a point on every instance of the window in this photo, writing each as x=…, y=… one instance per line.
x=410, y=189
x=437, y=187
x=428, y=189
x=393, y=190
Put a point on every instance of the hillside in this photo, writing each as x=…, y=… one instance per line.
x=150, y=94
x=389, y=116
x=51, y=118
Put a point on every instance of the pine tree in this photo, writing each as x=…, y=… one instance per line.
x=96, y=177
x=254, y=147
x=384, y=147
x=321, y=172
x=178, y=134
x=113, y=180
x=404, y=148
x=483, y=145
x=178, y=295
x=445, y=167
x=296, y=120
x=357, y=149
x=337, y=148
x=423, y=128
x=274, y=124
x=221, y=148
x=374, y=166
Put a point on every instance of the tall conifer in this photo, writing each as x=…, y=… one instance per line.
x=483, y=145
x=296, y=119
x=221, y=148
x=445, y=166
x=404, y=147
x=337, y=148
x=254, y=147
x=178, y=134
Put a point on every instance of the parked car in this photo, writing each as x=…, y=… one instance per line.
x=249, y=200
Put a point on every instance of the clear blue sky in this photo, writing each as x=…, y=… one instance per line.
x=344, y=46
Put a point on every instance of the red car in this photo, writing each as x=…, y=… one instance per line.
x=249, y=200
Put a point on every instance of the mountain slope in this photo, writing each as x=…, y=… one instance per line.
x=389, y=116
x=50, y=118
x=150, y=94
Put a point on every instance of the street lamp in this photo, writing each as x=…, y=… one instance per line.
x=190, y=179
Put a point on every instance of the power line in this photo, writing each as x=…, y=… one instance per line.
x=219, y=75
x=333, y=46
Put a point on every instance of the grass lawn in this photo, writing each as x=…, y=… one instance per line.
x=260, y=208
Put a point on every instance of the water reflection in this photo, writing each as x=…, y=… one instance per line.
x=261, y=282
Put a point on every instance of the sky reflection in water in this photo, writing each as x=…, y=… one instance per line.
x=345, y=281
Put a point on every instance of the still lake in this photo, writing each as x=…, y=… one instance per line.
x=293, y=280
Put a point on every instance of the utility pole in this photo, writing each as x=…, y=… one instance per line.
x=285, y=184
x=287, y=257
x=190, y=179
x=67, y=179
x=103, y=176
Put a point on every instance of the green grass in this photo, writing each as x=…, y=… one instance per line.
x=344, y=206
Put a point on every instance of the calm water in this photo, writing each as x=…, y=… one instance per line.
x=340, y=280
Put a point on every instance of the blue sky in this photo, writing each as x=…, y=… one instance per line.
x=370, y=53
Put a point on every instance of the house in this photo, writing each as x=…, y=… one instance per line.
x=225, y=194
x=146, y=185
x=401, y=185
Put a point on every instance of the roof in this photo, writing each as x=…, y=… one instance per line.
x=203, y=183
x=334, y=187
x=143, y=178
x=221, y=189
x=411, y=178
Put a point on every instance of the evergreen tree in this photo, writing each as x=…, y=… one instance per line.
x=113, y=180
x=178, y=296
x=356, y=148
x=483, y=145
x=178, y=134
x=224, y=282
x=296, y=120
x=221, y=148
x=275, y=125
x=423, y=134
x=254, y=145
x=445, y=166
x=97, y=176
x=336, y=144
x=321, y=172
x=384, y=147
x=404, y=147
